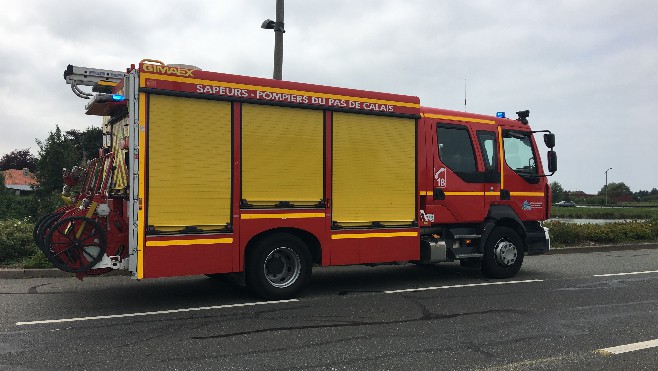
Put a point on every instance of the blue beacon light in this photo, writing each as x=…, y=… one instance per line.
x=117, y=97
x=500, y=115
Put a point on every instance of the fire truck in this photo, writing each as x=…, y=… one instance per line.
x=205, y=173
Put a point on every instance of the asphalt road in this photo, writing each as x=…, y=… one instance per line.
x=561, y=312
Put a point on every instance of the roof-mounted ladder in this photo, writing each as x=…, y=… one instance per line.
x=101, y=81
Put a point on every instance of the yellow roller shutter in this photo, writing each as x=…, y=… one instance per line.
x=374, y=167
x=189, y=165
x=282, y=155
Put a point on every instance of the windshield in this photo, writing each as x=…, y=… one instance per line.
x=519, y=154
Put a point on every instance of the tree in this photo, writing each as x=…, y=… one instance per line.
x=55, y=153
x=18, y=159
x=65, y=151
x=86, y=142
x=616, y=190
x=557, y=191
x=645, y=195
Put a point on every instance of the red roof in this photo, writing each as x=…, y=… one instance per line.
x=19, y=178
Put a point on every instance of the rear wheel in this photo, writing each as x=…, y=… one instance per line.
x=278, y=267
x=503, y=253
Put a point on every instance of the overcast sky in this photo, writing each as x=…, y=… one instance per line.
x=587, y=70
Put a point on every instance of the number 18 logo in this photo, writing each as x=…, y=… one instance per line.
x=440, y=177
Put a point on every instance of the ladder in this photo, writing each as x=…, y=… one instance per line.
x=101, y=81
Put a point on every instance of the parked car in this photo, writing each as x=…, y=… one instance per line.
x=565, y=204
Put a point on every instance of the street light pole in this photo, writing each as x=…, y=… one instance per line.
x=606, y=185
x=278, y=27
x=278, y=41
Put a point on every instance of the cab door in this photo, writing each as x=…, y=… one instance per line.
x=458, y=183
x=489, y=150
x=521, y=187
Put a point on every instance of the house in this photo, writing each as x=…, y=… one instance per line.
x=19, y=181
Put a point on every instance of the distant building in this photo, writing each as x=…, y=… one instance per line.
x=19, y=181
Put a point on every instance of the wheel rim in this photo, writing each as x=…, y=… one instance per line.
x=505, y=252
x=282, y=267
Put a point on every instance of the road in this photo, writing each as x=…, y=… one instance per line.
x=561, y=312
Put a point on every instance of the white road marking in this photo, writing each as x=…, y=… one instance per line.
x=154, y=313
x=630, y=347
x=460, y=286
x=623, y=274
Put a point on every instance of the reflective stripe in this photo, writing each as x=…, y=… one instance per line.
x=520, y=194
x=205, y=241
x=282, y=216
x=464, y=193
x=527, y=194
x=141, y=161
x=458, y=118
x=373, y=235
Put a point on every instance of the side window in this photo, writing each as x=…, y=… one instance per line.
x=487, y=141
x=519, y=154
x=456, y=149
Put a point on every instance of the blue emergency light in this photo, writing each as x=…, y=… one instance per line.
x=500, y=115
x=117, y=97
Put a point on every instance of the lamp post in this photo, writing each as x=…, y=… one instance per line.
x=606, y=185
x=278, y=27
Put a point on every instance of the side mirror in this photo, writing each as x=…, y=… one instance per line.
x=552, y=161
x=549, y=140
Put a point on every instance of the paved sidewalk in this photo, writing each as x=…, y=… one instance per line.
x=56, y=273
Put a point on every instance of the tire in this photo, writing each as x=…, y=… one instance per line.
x=37, y=226
x=44, y=226
x=503, y=253
x=76, y=244
x=278, y=267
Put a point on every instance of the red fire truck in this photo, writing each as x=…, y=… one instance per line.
x=212, y=173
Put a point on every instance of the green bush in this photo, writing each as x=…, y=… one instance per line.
x=17, y=207
x=16, y=242
x=570, y=234
x=30, y=207
x=37, y=261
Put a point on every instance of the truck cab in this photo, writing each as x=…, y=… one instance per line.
x=480, y=174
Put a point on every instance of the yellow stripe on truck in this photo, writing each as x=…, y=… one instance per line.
x=204, y=241
x=141, y=213
x=343, y=236
x=282, y=216
x=458, y=118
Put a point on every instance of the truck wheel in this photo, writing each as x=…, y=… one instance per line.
x=278, y=267
x=503, y=253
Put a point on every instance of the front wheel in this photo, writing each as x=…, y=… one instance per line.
x=278, y=267
x=503, y=253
